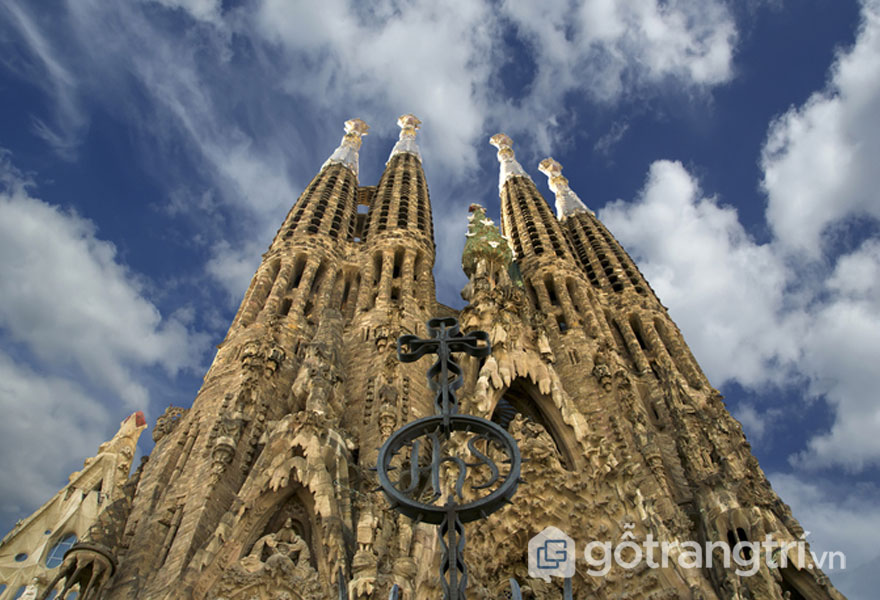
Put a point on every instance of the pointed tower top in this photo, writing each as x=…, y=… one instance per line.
x=409, y=125
x=567, y=202
x=509, y=165
x=347, y=152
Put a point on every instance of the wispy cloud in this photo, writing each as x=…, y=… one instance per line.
x=68, y=300
x=44, y=68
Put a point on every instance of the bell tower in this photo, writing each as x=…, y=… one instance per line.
x=265, y=487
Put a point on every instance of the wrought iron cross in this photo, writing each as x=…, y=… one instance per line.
x=444, y=376
x=418, y=489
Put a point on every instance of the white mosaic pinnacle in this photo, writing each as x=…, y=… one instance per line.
x=509, y=164
x=347, y=151
x=567, y=202
x=409, y=125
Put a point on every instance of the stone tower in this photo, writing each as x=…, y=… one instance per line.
x=264, y=489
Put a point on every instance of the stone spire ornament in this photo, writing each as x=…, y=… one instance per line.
x=347, y=151
x=509, y=165
x=484, y=242
x=567, y=202
x=409, y=125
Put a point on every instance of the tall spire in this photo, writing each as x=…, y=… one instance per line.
x=408, y=124
x=567, y=202
x=509, y=165
x=347, y=152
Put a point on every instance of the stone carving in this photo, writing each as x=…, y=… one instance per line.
x=284, y=542
x=315, y=384
x=166, y=423
x=300, y=403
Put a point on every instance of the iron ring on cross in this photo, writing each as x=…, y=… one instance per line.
x=428, y=438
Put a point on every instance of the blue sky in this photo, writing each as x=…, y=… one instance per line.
x=150, y=149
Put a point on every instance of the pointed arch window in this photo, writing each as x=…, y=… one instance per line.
x=56, y=553
x=523, y=398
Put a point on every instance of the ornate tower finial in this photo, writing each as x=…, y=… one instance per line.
x=567, y=202
x=509, y=166
x=347, y=152
x=409, y=125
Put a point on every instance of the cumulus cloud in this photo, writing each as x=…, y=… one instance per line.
x=819, y=160
x=725, y=291
x=69, y=301
x=49, y=425
x=840, y=344
x=602, y=49
x=257, y=114
x=759, y=313
x=422, y=57
x=756, y=423
x=847, y=524
x=753, y=316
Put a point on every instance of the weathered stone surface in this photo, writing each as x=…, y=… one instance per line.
x=263, y=488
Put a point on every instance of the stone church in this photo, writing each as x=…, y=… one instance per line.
x=266, y=487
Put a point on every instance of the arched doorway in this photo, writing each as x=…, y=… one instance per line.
x=522, y=397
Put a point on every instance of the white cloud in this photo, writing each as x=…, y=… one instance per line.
x=841, y=348
x=756, y=423
x=49, y=426
x=233, y=268
x=724, y=290
x=605, y=144
x=753, y=316
x=846, y=523
x=201, y=10
x=430, y=59
x=70, y=302
x=603, y=49
x=819, y=160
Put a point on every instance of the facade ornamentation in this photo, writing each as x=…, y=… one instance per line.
x=263, y=488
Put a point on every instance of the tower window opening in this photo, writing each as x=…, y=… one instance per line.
x=318, y=278
x=637, y=330
x=560, y=321
x=360, y=226
x=398, y=263
x=285, y=307
x=298, y=268
x=395, y=294
x=617, y=333
x=551, y=291
x=345, y=291
x=377, y=268
x=569, y=285
x=417, y=264
x=532, y=295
